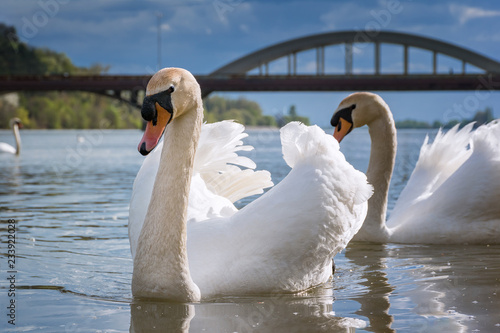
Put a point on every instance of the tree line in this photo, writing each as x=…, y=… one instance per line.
x=246, y=112
x=480, y=118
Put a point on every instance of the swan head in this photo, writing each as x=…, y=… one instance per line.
x=16, y=121
x=170, y=93
x=357, y=110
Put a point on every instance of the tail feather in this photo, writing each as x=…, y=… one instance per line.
x=449, y=150
x=437, y=162
x=311, y=144
x=237, y=184
x=218, y=145
x=487, y=138
x=304, y=142
x=441, y=158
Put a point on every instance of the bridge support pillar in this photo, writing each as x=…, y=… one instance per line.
x=434, y=62
x=292, y=64
x=348, y=58
x=294, y=56
x=320, y=60
x=405, y=61
x=133, y=97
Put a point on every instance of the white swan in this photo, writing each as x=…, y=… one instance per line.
x=282, y=242
x=453, y=194
x=15, y=124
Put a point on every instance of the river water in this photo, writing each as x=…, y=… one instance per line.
x=65, y=199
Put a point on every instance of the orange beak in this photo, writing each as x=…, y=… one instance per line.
x=153, y=133
x=342, y=129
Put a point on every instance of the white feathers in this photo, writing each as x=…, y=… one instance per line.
x=437, y=161
x=219, y=164
x=218, y=147
x=299, y=142
x=6, y=148
x=452, y=195
x=303, y=143
x=285, y=240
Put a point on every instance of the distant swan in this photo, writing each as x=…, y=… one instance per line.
x=453, y=194
x=15, y=123
x=284, y=241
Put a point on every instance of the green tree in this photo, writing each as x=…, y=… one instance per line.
x=483, y=117
x=242, y=110
x=480, y=118
x=56, y=109
x=282, y=120
x=410, y=123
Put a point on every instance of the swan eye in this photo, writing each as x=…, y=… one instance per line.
x=345, y=113
x=339, y=127
x=148, y=110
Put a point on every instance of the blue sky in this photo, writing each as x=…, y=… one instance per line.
x=203, y=35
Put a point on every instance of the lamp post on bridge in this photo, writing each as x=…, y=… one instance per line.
x=159, y=15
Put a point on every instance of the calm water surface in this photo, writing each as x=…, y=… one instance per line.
x=68, y=193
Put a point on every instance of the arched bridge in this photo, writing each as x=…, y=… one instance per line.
x=291, y=48
x=258, y=71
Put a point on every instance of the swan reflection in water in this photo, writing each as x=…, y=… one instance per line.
x=309, y=312
x=398, y=287
x=439, y=285
x=370, y=263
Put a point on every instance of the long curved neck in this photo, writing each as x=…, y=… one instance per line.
x=15, y=129
x=382, y=157
x=161, y=268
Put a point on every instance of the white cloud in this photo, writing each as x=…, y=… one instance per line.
x=207, y=18
x=465, y=13
x=488, y=37
x=166, y=27
x=340, y=16
x=244, y=28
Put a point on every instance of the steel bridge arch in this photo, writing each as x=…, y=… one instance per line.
x=318, y=41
